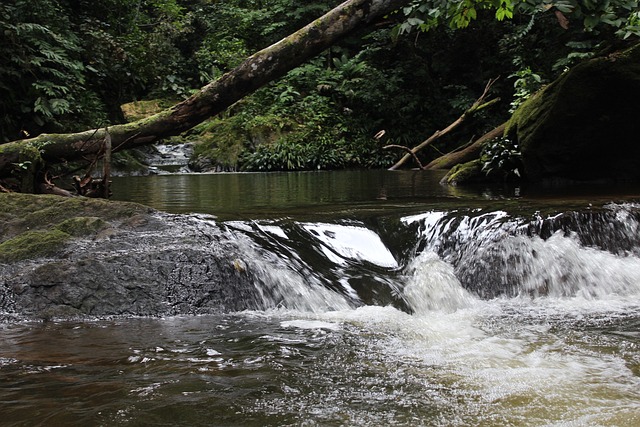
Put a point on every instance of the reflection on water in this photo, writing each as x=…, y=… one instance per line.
x=251, y=194
x=263, y=195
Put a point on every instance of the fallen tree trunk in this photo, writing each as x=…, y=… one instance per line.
x=467, y=154
x=256, y=71
x=478, y=105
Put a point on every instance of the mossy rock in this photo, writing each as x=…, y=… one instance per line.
x=33, y=244
x=585, y=124
x=72, y=216
x=470, y=172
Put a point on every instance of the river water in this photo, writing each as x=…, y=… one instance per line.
x=388, y=300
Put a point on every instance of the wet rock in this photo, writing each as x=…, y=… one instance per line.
x=140, y=263
x=470, y=172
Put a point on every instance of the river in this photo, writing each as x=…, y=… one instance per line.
x=387, y=299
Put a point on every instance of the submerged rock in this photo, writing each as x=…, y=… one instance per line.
x=584, y=125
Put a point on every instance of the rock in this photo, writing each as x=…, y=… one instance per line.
x=201, y=164
x=74, y=257
x=584, y=125
x=464, y=173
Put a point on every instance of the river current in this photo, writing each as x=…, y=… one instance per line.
x=386, y=299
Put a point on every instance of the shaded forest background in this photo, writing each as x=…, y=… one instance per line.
x=71, y=65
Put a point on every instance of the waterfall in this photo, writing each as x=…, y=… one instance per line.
x=458, y=258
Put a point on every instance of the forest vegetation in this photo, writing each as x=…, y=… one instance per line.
x=71, y=66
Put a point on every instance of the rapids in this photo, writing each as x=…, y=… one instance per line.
x=443, y=313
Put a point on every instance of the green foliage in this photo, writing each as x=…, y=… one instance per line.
x=501, y=159
x=621, y=15
x=577, y=51
x=41, y=80
x=71, y=64
x=526, y=83
x=221, y=141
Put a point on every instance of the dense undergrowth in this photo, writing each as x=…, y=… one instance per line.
x=72, y=64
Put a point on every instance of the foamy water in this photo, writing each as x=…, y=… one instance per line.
x=555, y=343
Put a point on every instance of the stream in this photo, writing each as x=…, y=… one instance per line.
x=375, y=298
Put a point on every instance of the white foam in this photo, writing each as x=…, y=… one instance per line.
x=432, y=285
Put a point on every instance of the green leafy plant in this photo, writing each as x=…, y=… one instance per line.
x=526, y=83
x=501, y=159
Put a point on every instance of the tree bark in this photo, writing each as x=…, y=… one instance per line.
x=467, y=154
x=478, y=105
x=256, y=71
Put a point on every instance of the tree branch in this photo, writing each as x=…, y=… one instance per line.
x=408, y=150
x=478, y=105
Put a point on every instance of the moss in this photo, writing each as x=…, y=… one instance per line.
x=28, y=212
x=82, y=226
x=134, y=111
x=533, y=110
x=464, y=173
x=33, y=244
x=37, y=243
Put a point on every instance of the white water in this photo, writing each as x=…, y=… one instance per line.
x=536, y=358
x=559, y=347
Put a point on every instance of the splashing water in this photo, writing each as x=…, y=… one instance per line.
x=491, y=320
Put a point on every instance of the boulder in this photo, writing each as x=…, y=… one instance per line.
x=586, y=124
x=72, y=257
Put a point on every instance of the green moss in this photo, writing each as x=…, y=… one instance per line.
x=532, y=110
x=27, y=212
x=464, y=173
x=82, y=226
x=134, y=111
x=32, y=244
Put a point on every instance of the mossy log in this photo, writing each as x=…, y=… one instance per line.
x=257, y=70
x=472, y=152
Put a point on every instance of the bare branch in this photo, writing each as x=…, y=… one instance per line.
x=408, y=150
x=478, y=105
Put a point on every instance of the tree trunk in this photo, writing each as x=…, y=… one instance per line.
x=467, y=154
x=478, y=105
x=257, y=70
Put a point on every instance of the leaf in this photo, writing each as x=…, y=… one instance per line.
x=590, y=21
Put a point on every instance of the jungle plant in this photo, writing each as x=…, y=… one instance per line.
x=526, y=83
x=501, y=159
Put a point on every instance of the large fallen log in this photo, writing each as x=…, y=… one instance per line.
x=256, y=71
x=471, y=152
